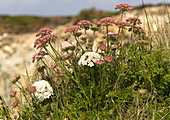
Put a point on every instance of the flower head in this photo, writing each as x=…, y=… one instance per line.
x=31, y=89
x=100, y=62
x=123, y=24
x=43, y=90
x=106, y=21
x=84, y=24
x=44, y=40
x=134, y=20
x=139, y=30
x=16, y=79
x=123, y=7
x=108, y=58
x=38, y=55
x=13, y=94
x=43, y=32
x=14, y=104
x=89, y=59
x=102, y=47
x=72, y=29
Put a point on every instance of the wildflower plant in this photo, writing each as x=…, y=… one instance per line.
x=109, y=82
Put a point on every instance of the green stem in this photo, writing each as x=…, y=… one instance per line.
x=57, y=53
x=6, y=110
x=60, y=64
x=79, y=44
x=122, y=37
x=107, y=38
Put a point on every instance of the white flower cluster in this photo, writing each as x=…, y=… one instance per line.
x=89, y=59
x=43, y=90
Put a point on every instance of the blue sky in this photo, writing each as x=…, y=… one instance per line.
x=62, y=7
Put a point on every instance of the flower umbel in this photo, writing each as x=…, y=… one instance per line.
x=134, y=20
x=43, y=90
x=72, y=29
x=85, y=24
x=139, y=30
x=106, y=21
x=42, y=41
x=123, y=7
x=44, y=31
x=38, y=55
x=89, y=59
x=123, y=24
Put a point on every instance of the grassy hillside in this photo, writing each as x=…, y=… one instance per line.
x=23, y=24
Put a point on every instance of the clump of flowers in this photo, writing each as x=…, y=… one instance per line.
x=123, y=7
x=139, y=30
x=121, y=24
x=43, y=32
x=85, y=24
x=72, y=29
x=134, y=20
x=38, y=55
x=106, y=21
x=89, y=59
x=43, y=40
x=43, y=90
